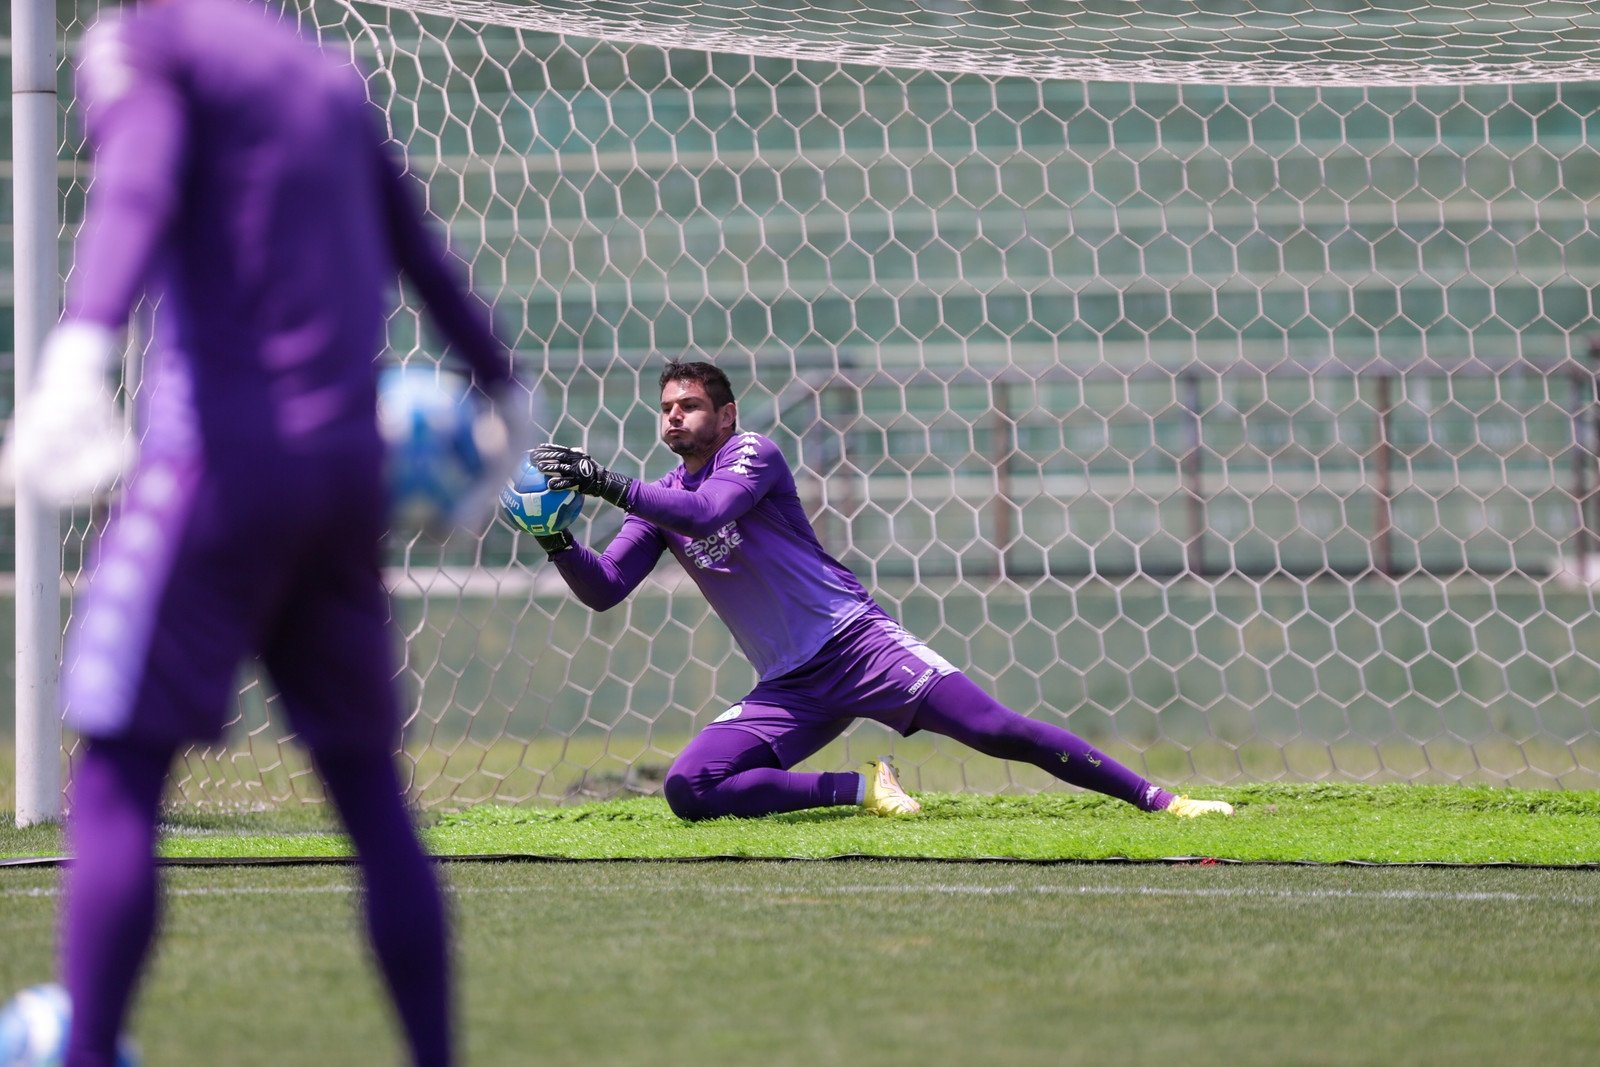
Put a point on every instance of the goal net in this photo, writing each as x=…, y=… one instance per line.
x=1215, y=380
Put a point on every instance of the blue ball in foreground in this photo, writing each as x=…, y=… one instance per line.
x=429, y=419
x=529, y=505
x=33, y=1030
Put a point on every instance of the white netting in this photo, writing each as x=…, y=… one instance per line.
x=1280, y=42
x=1247, y=430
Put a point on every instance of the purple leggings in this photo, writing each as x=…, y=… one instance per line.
x=112, y=902
x=728, y=771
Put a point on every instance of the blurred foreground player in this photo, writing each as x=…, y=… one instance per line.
x=242, y=180
x=826, y=652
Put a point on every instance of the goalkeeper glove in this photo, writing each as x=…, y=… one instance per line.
x=69, y=443
x=555, y=543
x=570, y=468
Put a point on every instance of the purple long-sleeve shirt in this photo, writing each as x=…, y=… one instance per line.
x=739, y=530
x=242, y=179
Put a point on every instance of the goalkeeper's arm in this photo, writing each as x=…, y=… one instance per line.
x=602, y=581
x=717, y=502
x=439, y=275
x=69, y=442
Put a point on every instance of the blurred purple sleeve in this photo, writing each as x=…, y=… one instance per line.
x=603, y=581
x=464, y=320
x=138, y=137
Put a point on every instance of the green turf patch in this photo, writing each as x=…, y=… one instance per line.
x=1275, y=823
x=1020, y=965
x=1305, y=823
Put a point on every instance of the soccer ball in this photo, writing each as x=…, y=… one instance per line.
x=33, y=1030
x=429, y=419
x=528, y=505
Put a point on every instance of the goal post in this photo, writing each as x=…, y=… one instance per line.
x=36, y=302
x=1217, y=383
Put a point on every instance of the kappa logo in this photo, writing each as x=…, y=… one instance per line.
x=748, y=451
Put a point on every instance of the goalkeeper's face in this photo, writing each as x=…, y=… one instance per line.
x=691, y=425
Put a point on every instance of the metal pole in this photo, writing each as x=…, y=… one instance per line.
x=37, y=274
x=1586, y=438
x=1582, y=392
x=1191, y=473
x=1005, y=448
x=1383, y=458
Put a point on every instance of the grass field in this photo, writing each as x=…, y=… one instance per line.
x=891, y=963
x=966, y=957
x=1275, y=824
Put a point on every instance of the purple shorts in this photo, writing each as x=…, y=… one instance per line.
x=872, y=669
x=200, y=570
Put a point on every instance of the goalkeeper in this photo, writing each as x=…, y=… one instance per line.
x=826, y=653
x=241, y=176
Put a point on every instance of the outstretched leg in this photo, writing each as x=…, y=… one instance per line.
x=727, y=771
x=111, y=902
x=957, y=708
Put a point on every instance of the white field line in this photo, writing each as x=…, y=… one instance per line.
x=776, y=892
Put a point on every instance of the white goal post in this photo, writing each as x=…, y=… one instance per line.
x=1217, y=380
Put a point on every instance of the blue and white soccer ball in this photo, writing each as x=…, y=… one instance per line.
x=529, y=505
x=429, y=419
x=33, y=1030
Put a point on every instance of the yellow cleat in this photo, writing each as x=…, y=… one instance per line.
x=1184, y=808
x=884, y=795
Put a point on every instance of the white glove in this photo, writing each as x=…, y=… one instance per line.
x=503, y=433
x=68, y=442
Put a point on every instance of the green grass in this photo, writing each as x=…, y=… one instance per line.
x=922, y=964
x=743, y=961
x=1284, y=823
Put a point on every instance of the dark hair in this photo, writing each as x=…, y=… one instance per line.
x=712, y=380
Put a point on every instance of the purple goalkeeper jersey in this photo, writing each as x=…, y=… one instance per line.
x=739, y=530
x=243, y=181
